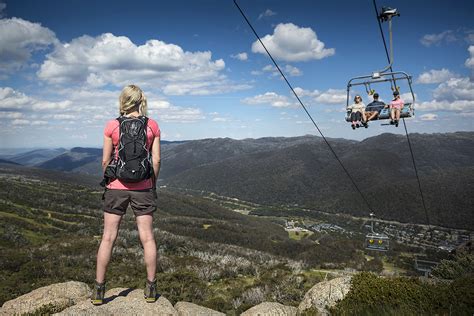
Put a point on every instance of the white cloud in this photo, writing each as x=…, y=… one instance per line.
x=454, y=94
x=10, y=115
x=158, y=104
x=11, y=99
x=64, y=116
x=116, y=60
x=240, y=56
x=203, y=87
x=406, y=97
x=290, y=42
x=178, y=114
x=46, y=105
x=271, y=98
x=38, y=122
x=330, y=96
x=429, y=117
x=219, y=119
x=267, y=13
x=455, y=89
x=19, y=39
x=449, y=36
x=303, y=93
x=435, y=76
x=470, y=61
x=292, y=71
x=105, y=103
x=436, y=39
x=77, y=102
x=459, y=105
x=288, y=70
x=20, y=122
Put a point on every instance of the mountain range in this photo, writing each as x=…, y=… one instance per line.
x=302, y=171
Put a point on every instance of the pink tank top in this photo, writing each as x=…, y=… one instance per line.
x=112, y=131
x=397, y=103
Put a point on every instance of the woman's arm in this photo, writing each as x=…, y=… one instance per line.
x=156, y=156
x=107, y=152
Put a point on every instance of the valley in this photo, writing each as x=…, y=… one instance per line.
x=242, y=221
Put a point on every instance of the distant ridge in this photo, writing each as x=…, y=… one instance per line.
x=8, y=162
x=34, y=157
x=302, y=171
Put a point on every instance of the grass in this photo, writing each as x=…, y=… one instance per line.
x=28, y=220
x=230, y=287
x=299, y=235
x=390, y=268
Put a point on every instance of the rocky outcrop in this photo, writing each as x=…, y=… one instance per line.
x=270, y=309
x=73, y=298
x=190, y=309
x=53, y=297
x=122, y=301
x=326, y=294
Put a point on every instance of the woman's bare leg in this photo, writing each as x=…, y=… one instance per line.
x=111, y=226
x=145, y=231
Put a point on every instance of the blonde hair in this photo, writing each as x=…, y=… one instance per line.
x=132, y=99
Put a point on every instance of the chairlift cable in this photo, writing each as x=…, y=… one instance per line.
x=304, y=108
x=404, y=124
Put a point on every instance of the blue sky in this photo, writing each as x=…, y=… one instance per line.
x=63, y=64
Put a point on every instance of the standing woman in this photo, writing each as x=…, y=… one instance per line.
x=119, y=194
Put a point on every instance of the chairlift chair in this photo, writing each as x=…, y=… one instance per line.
x=376, y=241
x=384, y=75
x=393, y=77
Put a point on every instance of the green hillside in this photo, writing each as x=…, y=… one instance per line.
x=51, y=225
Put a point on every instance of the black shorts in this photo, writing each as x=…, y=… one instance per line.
x=141, y=202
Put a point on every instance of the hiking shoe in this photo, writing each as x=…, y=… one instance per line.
x=150, y=291
x=98, y=293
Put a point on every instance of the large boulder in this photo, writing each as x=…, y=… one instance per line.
x=191, y=309
x=270, y=309
x=122, y=301
x=54, y=297
x=326, y=294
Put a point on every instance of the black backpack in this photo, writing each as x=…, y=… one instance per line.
x=133, y=163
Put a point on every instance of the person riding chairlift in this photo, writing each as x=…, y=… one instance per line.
x=396, y=106
x=373, y=109
x=357, y=112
